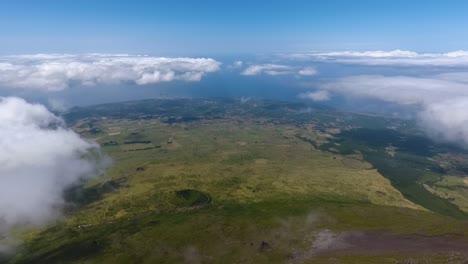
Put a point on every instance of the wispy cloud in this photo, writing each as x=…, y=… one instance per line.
x=395, y=57
x=308, y=71
x=402, y=90
x=278, y=69
x=237, y=64
x=270, y=69
x=316, y=96
x=55, y=72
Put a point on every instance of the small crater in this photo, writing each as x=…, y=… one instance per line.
x=189, y=198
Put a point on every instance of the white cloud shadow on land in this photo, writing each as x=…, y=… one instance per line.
x=39, y=159
x=55, y=72
x=442, y=99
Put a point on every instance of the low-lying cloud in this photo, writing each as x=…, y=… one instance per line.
x=39, y=159
x=277, y=69
x=270, y=69
x=442, y=99
x=308, y=71
x=387, y=58
x=402, y=90
x=437, y=85
x=55, y=72
x=316, y=96
x=447, y=120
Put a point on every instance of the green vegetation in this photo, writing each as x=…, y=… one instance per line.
x=187, y=198
x=211, y=181
x=408, y=169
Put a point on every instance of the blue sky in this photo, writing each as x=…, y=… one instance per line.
x=224, y=27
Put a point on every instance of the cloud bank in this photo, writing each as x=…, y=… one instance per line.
x=442, y=99
x=277, y=69
x=55, y=72
x=387, y=58
x=447, y=120
x=39, y=158
x=402, y=90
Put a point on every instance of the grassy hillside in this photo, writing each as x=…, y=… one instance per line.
x=245, y=187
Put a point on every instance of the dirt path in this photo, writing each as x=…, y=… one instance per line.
x=379, y=243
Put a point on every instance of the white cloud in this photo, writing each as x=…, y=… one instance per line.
x=372, y=54
x=57, y=105
x=244, y=100
x=307, y=71
x=447, y=120
x=237, y=64
x=54, y=72
x=270, y=69
x=442, y=99
x=395, y=57
x=277, y=69
x=316, y=96
x=398, y=89
x=460, y=77
x=39, y=158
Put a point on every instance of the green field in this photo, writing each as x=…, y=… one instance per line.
x=197, y=182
